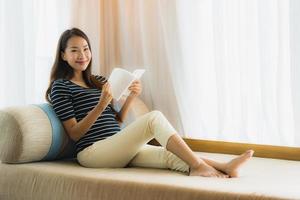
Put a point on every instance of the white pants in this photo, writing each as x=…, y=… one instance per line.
x=129, y=146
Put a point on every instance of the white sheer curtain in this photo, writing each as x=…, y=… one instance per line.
x=237, y=71
x=218, y=69
x=28, y=36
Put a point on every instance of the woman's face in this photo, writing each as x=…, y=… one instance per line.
x=77, y=53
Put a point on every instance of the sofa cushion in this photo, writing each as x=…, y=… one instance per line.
x=34, y=132
x=260, y=179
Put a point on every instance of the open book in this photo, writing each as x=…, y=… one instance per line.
x=121, y=79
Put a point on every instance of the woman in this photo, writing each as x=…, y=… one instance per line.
x=89, y=118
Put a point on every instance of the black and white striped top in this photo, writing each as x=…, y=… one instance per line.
x=71, y=100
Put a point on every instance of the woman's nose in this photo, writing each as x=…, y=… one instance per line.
x=81, y=54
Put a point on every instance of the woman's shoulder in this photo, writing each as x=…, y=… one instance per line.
x=60, y=88
x=60, y=83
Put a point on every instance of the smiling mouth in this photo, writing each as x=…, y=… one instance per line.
x=81, y=62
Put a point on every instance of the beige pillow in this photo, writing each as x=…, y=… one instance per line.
x=32, y=133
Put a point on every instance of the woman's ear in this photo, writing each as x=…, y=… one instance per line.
x=62, y=54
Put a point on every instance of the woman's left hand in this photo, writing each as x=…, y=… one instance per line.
x=135, y=88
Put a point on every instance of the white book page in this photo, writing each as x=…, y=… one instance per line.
x=138, y=74
x=119, y=81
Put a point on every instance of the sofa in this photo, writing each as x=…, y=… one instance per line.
x=38, y=163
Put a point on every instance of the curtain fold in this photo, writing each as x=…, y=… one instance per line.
x=134, y=38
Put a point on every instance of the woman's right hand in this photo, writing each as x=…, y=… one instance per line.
x=106, y=96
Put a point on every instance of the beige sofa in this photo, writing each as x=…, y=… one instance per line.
x=260, y=179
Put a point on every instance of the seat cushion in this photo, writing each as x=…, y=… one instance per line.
x=260, y=179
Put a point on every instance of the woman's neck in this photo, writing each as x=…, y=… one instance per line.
x=78, y=77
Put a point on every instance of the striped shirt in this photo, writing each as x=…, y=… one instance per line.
x=71, y=100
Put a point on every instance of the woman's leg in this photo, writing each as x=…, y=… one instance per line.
x=158, y=157
x=206, y=167
x=119, y=149
x=198, y=167
x=231, y=167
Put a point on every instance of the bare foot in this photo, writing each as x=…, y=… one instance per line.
x=207, y=171
x=232, y=167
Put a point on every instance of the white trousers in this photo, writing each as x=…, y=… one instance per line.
x=129, y=146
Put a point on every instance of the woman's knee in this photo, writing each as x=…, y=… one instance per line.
x=154, y=117
x=155, y=114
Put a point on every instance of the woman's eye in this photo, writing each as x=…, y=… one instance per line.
x=86, y=49
x=73, y=50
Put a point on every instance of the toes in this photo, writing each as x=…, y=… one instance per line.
x=234, y=175
x=222, y=175
x=225, y=176
x=212, y=174
x=250, y=152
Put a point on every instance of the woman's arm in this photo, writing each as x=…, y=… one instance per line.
x=77, y=129
x=136, y=89
x=125, y=108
